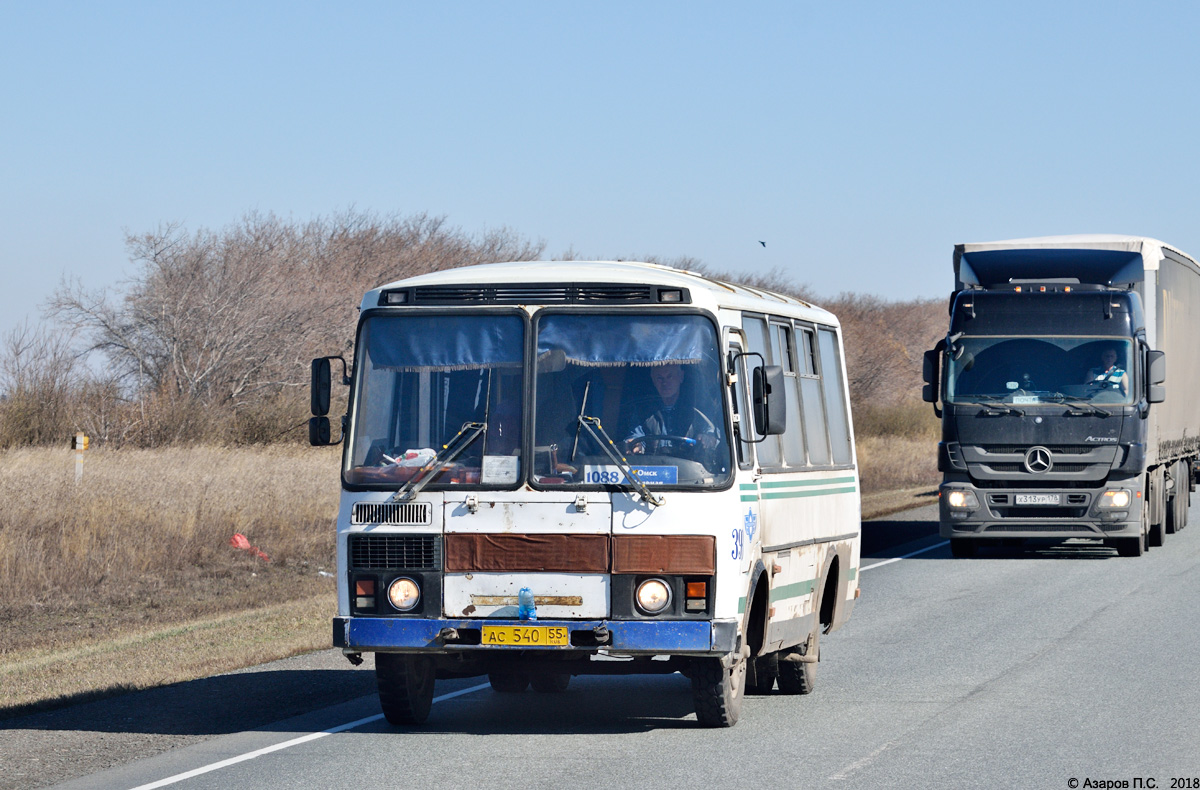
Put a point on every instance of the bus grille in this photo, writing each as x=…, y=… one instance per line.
x=395, y=552
x=418, y=514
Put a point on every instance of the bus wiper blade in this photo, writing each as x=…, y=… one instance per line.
x=450, y=450
x=592, y=424
x=997, y=407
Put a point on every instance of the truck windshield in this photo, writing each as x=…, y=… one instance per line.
x=1031, y=370
x=654, y=384
x=420, y=380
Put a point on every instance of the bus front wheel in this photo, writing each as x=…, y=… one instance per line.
x=405, y=685
x=718, y=691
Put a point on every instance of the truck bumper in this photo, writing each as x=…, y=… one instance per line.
x=997, y=515
x=650, y=637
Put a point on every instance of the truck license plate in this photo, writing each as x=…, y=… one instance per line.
x=1038, y=499
x=527, y=635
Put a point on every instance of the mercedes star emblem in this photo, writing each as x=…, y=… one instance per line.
x=1038, y=460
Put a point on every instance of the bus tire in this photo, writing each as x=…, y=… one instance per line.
x=797, y=677
x=508, y=682
x=553, y=683
x=405, y=684
x=717, y=692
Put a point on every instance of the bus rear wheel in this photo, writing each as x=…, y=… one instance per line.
x=405, y=684
x=717, y=691
x=797, y=676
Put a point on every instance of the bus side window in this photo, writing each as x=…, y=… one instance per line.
x=793, y=437
x=835, y=401
x=758, y=342
x=812, y=404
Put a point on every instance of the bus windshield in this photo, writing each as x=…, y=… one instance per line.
x=1031, y=370
x=649, y=384
x=425, y=383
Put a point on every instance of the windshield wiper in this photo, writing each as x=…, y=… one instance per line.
x=996, y=407
x=592, y=424
x=1081, y=406
x=450, y=450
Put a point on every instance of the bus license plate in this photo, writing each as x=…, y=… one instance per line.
x=527, y=635
x=1038, y=499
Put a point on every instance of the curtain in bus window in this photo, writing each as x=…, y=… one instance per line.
x=443, y=342
x=619, y=340
x=839, y=425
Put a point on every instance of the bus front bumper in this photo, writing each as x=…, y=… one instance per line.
x=654, y=637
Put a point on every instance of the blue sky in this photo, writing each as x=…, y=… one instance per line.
x=859, y=140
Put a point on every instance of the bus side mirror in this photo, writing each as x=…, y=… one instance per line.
x=318, y=432
x=1156, y=374
x=770, y=413
x=321, y=383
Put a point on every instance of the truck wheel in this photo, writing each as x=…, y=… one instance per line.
x=798, y=677
x=405, y=684
x=508, y=682
x=1154, y=535
x=555, y=683
x=766, y=669
x=1130, y=547
x=717, y=692
x=963, y=548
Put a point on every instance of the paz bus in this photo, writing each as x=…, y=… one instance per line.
x=557, y=469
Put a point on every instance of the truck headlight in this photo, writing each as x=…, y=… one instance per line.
x=962, y=499
x=1117, y=498
x=404, y=594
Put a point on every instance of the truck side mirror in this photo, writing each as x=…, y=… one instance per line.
x=929, y=373
x=321, y=383
x=1156, y=374
x=770, y=413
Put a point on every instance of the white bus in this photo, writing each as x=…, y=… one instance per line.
x=559, y=469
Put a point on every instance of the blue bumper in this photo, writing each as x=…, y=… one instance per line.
x=371, y=634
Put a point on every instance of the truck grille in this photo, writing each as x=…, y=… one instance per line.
x=413, y=514
x=395, y=552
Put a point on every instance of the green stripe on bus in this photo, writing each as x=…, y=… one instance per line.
x=749, y=497
x=798, y=494
x=853, y=574
x=741, y=605
x=793, y=590
x=811, y=482
x=748, y=486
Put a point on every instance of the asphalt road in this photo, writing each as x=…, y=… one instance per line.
x=1017, y=669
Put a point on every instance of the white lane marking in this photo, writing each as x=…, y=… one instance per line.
x=241, y=758
x=906, y=556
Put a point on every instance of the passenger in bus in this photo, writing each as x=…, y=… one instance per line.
x=670, y=413
x=1108, y=374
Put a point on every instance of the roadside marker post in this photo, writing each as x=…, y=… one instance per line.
x=79, y=443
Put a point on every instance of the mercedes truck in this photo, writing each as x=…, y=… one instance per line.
x=1059, y=418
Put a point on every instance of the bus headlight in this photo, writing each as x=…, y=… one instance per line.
x=962, y=499
x=1117, y=498
x=404, y=594
x=653, y=596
